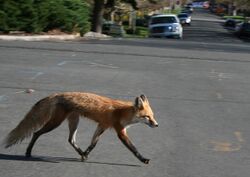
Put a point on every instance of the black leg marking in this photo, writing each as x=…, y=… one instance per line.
x=96, y=136
x=125, y=140
x=73, y=123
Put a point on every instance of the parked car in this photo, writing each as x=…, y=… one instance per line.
x=185, y=11
x=198, y=4
x=206, y=5
x=190, y=9
x=185, y=19
x=231, y=23
x=111, y=28
x=243, y=29
x=165, y=26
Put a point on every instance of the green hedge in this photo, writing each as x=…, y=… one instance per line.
x=44, y=15
x=234, y=17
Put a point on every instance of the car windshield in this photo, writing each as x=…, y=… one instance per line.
x=158, y=20
x=183, y=16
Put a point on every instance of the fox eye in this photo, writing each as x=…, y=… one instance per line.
x=146, y=117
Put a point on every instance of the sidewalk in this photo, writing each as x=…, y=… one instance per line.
x=62, y=37
x=38, y=37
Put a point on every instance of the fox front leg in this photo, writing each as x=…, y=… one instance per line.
x=98, y=132
x=125, y=140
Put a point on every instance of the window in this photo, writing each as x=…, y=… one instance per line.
x=159, y=20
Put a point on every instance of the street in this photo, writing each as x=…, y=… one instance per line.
x=198, y=87
x=207, y=27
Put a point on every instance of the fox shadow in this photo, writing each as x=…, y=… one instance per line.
x=50, y=159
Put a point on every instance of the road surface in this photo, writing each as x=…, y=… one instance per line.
x=199, y=91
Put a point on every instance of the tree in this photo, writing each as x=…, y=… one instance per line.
x=235, y=5
x=44, y=15
x=17, y=16
x=98, y=11
x=97, y=15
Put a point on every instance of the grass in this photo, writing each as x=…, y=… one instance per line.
x=140, y=32
x=241, y=18
x=175, y=11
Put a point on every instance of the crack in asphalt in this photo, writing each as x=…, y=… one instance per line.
x=151, y=97
x=129, y=54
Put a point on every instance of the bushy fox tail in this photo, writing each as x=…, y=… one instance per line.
x=39, y=114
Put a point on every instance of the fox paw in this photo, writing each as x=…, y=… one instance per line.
x=146, y=161
x=84, y=158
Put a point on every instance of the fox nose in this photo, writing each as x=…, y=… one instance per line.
x=154, y=124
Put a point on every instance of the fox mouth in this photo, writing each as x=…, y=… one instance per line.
x=152, y=124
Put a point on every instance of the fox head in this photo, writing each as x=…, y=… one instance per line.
x=143, y=112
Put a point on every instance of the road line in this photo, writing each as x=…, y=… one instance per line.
x=103, y=65
x=89, y=63
x=2, y=98
x=219, y=96
x=239, y=137
x=37, y=75
x=219, y=75
x=62, y=63
x=224, y=146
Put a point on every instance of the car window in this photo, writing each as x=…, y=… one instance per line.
x=182, y=16
x=158, y=20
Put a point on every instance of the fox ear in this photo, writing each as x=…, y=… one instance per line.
x=138, y=103
x=143, y=97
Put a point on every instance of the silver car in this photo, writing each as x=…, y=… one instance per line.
x=165, y=26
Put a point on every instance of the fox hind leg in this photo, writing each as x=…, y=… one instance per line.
x=47, y=128
x=73, y=123
x=57, y=118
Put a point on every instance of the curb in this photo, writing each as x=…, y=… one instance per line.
x=39, y=37
x=64, y=37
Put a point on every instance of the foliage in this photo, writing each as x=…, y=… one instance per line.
x=17, y=15
x=239, y=4
x=234, y=17
x=140, y=32
x=44, y=15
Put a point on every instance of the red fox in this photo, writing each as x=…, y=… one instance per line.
x=50, y=112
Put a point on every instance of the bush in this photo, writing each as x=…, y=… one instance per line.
x=17, y=16
x=234, y=17
x=139, y=32
x=27, y=17
x=3, y=24
x=44, y=15
x=78, y=16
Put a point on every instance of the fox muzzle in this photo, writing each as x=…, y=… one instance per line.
x=153, y=124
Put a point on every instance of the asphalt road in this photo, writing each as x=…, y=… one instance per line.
x=207, y=27
x=199, y=90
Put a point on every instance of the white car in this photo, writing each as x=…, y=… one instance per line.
x=165, y=26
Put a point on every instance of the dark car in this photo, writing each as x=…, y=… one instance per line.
x=243, y=29
x=190, y=9
x=110, y=28
x=231, y=23
x=184, y=18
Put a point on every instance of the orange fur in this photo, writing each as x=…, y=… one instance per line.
x=51, y=111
